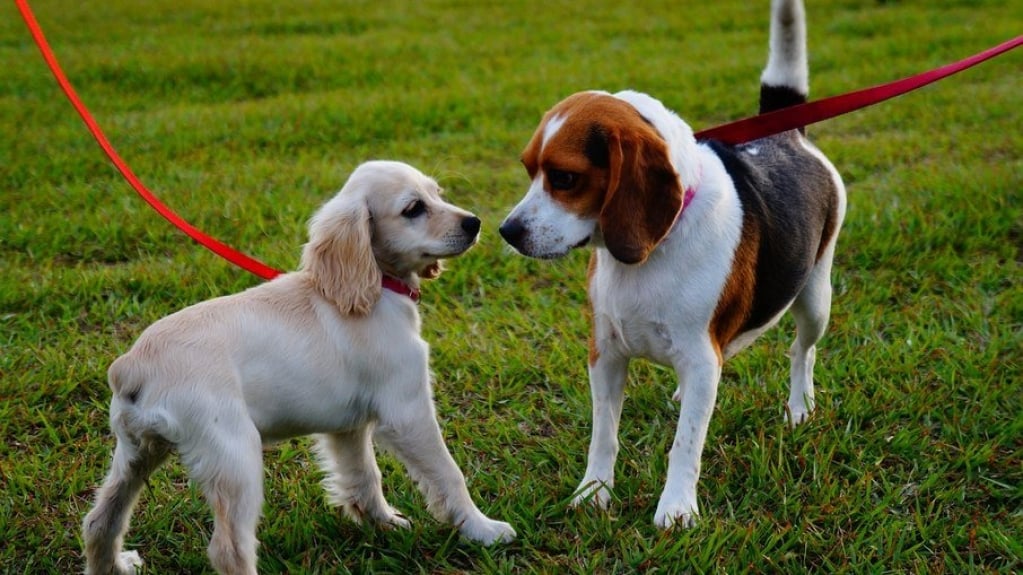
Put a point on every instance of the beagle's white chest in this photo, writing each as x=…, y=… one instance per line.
x=631, y=318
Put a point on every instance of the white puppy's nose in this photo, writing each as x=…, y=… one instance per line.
x=471, y=225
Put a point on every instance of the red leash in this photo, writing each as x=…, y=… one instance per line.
x=228, y=253
x=733, y=133
x=793, y=117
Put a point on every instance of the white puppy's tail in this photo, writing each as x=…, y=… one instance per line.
x=785, y=80
x=128, y=417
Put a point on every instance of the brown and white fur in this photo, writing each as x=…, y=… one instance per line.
x=324, y=350
x=686, y=284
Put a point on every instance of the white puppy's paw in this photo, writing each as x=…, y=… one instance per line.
x=592, y=492
x=128, y=563
x=392, y=520
x=680, y=514
x=677, y=396
x=487, y=531
x=375, y=512
x=797, y=414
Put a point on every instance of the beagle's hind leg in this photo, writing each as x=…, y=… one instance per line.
x=811, y=311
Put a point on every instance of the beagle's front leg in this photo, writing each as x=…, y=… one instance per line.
x=698, y=379
x=607, y=389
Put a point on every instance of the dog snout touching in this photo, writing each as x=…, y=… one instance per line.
x=471, y=226
x=513, y=232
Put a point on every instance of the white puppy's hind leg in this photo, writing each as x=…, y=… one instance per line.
x=226, y=461
x=104, y=526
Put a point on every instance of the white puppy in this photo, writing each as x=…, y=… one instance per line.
x=332, y=349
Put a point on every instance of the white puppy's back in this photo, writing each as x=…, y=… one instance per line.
x=258, y=345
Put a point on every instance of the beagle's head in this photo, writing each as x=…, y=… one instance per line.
x=601, y=174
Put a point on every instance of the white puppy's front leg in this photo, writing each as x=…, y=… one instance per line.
x=699, y=381
x=607, y=390
x=353, y=479
x=418, y=444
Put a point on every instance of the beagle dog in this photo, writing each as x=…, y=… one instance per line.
x=700, y=247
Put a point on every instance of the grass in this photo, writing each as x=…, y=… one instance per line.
x=244, y=116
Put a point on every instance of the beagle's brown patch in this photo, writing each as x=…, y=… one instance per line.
x=736, y=301
x=620, y=171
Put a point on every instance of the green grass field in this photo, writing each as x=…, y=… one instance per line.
x=245, y=116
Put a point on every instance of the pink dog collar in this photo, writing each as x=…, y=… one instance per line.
x=686, y=200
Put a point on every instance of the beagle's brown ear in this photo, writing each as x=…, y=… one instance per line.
x=643, y=196
x=339, y=257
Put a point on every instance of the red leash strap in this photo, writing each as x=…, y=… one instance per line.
x=237, y=258
x=801, y=115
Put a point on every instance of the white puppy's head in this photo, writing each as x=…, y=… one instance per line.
x=388, y=218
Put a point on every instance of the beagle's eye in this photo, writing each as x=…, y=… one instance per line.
x=414, y=210
x=561, y=180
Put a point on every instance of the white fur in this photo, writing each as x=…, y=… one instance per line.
x=786, y=60
x=297, y=355
x=551, y=129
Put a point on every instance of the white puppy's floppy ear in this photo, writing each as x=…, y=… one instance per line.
x=339, y=256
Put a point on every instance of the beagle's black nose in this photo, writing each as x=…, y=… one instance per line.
x=513, y=231
x=471, y=225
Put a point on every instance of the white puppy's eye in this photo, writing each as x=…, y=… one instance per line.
x=561, y=180
x=414, y=210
